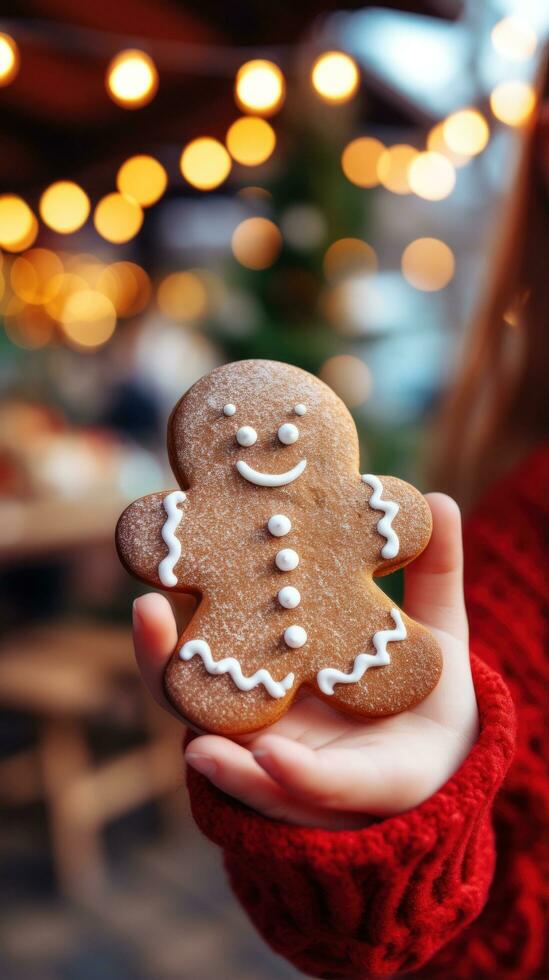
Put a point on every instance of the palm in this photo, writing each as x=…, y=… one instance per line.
x=319, y=767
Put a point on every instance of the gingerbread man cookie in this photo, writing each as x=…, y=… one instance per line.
x=279, y=536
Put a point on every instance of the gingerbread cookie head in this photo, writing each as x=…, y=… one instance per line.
x=279, y=536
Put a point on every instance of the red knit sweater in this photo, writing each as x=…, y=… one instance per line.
x=453, y=888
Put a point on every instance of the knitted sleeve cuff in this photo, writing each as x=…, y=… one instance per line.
x=381, y=899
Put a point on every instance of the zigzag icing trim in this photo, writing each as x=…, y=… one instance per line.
x=167, y=565
x=329, y=677
x=231, y=666
x=390, y=508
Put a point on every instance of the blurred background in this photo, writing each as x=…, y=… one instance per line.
x=183, y=184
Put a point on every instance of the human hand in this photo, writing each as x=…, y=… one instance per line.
x=318, y=767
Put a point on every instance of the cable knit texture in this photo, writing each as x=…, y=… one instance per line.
x=410, y=892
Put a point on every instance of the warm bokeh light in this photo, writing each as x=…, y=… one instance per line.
x=182, y=296
x=36, y=276
x=349, y=256
x=260, y=87
x=514, y=39
x=28, y=327
x=9, y=59
x=18, y=225
x=349, y=377
x=64, y=207
x=143, y=178
x=466, y=132
x=63, y=286
x=513, y=102
x=431, y=176
x=88, y=318
x=256, y=243
x=251, y=141
x=127, y=286
x=335, y=76
x=428, y=264
x=393, y=167
x=118, y=218
x=205, y=163
x=132, y=79
x=437, y=144
x=360, y=159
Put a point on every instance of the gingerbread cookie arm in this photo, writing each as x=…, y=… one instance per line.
x=148, y=539
x=403, y=521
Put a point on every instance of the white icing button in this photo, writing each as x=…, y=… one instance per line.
x=246, y=436
x=287, y=559
x=289, y=597
x=229, y=409
x=300, y=409
x=295, y=637
x=279, y=525
x=288, y=433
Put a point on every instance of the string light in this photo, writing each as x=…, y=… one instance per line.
x=260, y=87
x=394, y=166
x=513, y=102
x=143, y=178
x=132, y=79
x=428, y=264
x=437, y=144
x=205, y=163
x=360, y=160
x=18, y=225
x=431, y=176
x=256, y=243
x=64, y=207
x=9, y=59
x=349, y=377
x=335, y=77
x=36, y=276
x=118, y=218
x=513, y=39
x=88, y=318
x=251, y=141
x=466, y=132
x=348, y=255
x=182, y=296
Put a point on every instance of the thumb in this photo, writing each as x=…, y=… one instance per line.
x=434, y=583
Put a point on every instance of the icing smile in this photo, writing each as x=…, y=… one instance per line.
x=270, y=479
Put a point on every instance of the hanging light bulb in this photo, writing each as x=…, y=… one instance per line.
x=260, y=87
x=132, y=79
x=335, y=76
x=9, y=59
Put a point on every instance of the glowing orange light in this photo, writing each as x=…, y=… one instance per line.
x=64, y=207
x=360, y=159
x=349, y=377
x=251, y=141
x=437, y=144
x=466, y=132
x=143, y=178
x=132, y=79
x=118, y=218
x=431, y=176
x=513, y=102
x=127, y=286
x=347, y=256
x=28, y=327
x=88, y=318
x=256, y=243
x=9, y=59
x=260, y=87
x=335, y=76
x=18, y=225
x=182, y=296
x=394, y=166
x=428, y=264
x=205, y=163
x=35, y=276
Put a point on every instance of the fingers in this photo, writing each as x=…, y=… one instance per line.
x=381, y=780
x=434, y=583
x=233, y=769
x=154, y=638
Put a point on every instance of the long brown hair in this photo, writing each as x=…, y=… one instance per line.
x=498, y=408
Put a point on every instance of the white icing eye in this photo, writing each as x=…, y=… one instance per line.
x=295, y=637
x=288, y=433
x=229, y=409
x=287, y=559
x=246, y=436
x=279, y=525
x=289, y=597
x=300, y=409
